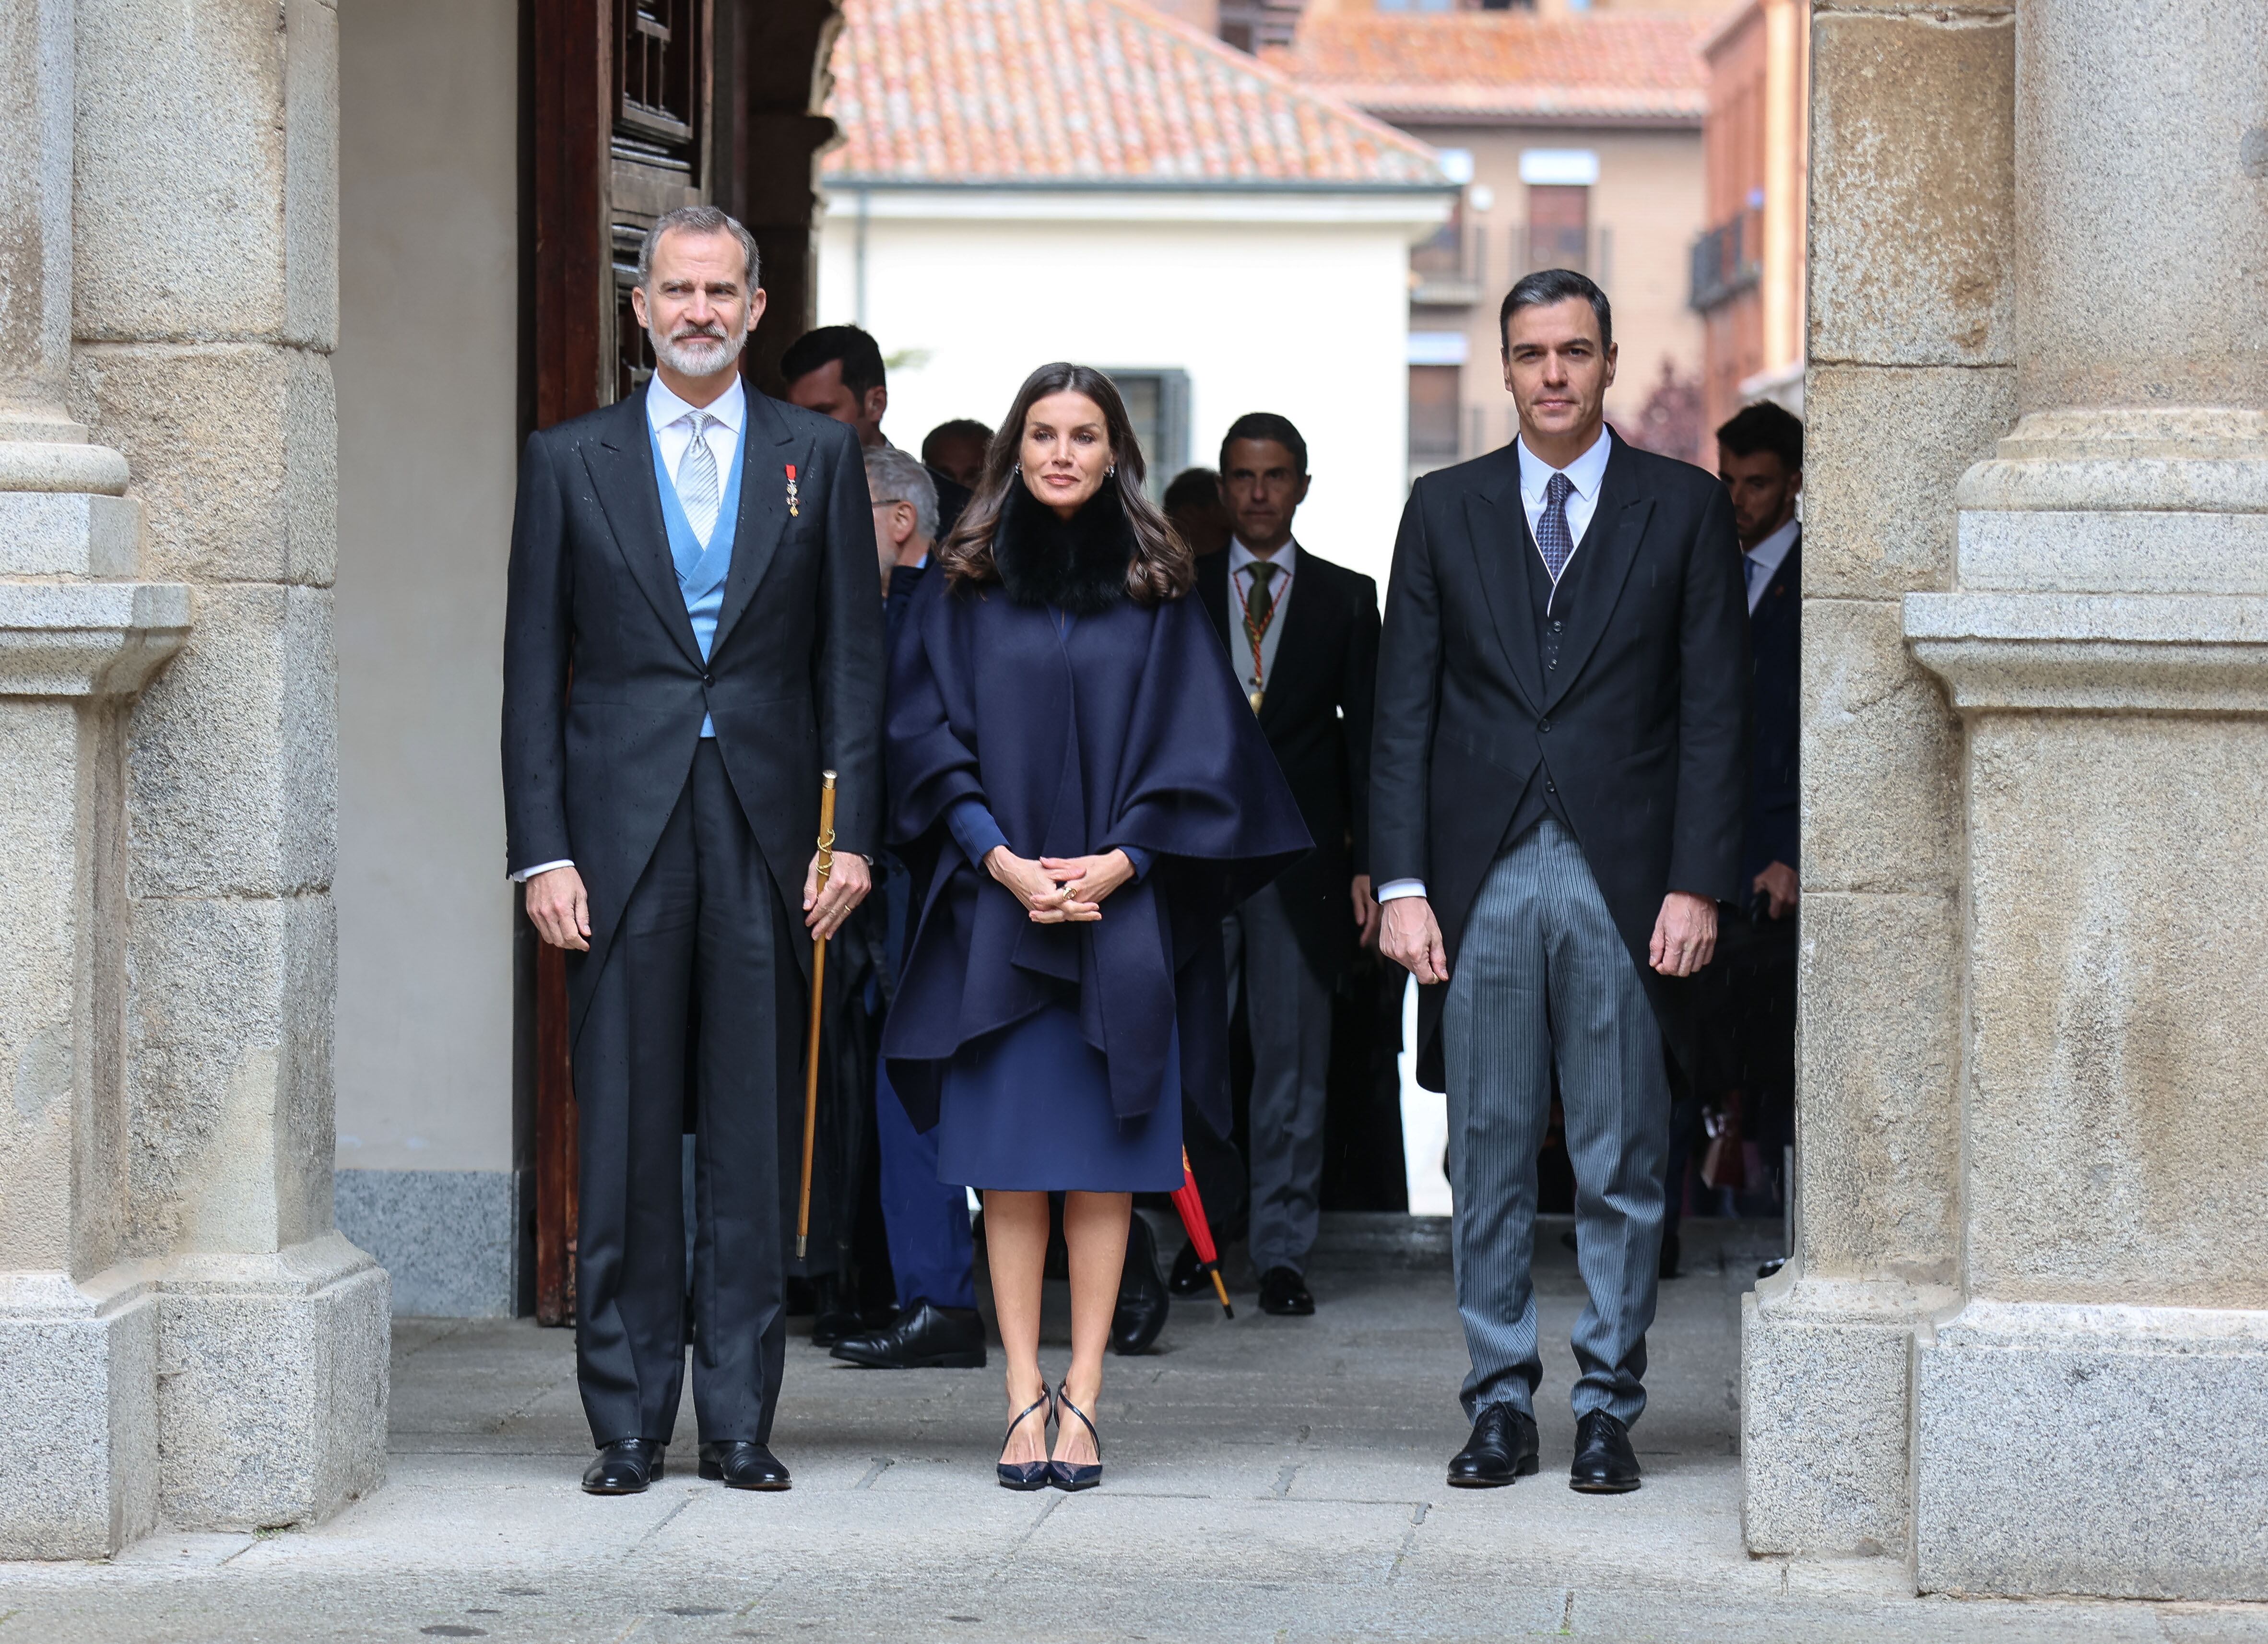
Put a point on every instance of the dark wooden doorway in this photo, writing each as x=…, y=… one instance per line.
x=634, y=107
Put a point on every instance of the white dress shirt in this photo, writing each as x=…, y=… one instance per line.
x=1586, y=473
x=672, y=421
x=1765, y=559
x=1241, y=560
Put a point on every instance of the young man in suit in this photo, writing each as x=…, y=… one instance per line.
x=1558, y=778
x=838, y=372
x=1302, y=634
x=690, y=635
x=1745, y=1001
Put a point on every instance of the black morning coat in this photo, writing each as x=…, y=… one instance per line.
x=1776, y=640
x=1642, y=727
x=794, y=682
x=1317, y=717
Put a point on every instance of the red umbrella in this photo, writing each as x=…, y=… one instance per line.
x=1200, y=1231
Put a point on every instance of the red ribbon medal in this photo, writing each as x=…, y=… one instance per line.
x=791, y=489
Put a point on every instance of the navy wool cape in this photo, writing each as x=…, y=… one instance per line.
x=1127, y=730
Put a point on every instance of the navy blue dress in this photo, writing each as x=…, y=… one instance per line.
x=1056, y=1057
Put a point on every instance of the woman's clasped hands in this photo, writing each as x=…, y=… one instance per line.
x=1059, y=889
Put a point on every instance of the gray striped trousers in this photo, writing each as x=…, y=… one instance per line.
x=1542, y=977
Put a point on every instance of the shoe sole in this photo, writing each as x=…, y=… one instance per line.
x=716, y=1475
x=936, y=1362
x=1524, y=1468
x=1587, y=1488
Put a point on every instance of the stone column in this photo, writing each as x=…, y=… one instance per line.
x=1911, y=379
x=205, y=308
x=2094, y=1418
x=78, y=636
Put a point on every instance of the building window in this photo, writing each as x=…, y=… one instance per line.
x=1434, y=417
x=1157, y=405
x=1558, y=226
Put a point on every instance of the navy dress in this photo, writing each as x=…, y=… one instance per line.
x=1056, y=1057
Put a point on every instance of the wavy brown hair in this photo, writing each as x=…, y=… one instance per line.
x=1161, y=568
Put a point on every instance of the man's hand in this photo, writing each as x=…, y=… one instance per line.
x=1685, y=935
x=1778, y=883
x=559, y=909
x=848, y=881
x=1033, y=885
x=1412, y=939
x=1365, y=912
x=1087, y=879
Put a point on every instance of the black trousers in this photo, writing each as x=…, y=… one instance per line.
x=697, y=1011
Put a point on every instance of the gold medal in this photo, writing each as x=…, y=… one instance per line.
x=1258, y=695
x=793, y=512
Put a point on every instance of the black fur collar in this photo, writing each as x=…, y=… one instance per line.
x=1077, y=564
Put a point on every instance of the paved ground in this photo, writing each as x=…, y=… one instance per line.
x=1268, y=1480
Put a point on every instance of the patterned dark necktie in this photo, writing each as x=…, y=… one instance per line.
x=1552, y=537
x=1260, y=604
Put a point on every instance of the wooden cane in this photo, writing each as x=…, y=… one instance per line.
x=818, y=997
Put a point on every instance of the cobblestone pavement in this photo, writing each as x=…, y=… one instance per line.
x=1267, y=1479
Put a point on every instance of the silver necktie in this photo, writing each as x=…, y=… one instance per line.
x=696, y=479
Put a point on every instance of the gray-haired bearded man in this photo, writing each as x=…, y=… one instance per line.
x=691, y=636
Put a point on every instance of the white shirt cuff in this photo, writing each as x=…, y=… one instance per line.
x=1393, y=888
x=527, y=873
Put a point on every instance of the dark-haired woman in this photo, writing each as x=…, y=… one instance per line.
x=1072, y=762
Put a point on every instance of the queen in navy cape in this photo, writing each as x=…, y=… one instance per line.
x=1083, y=794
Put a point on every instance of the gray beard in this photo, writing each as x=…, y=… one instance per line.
x=708, y=356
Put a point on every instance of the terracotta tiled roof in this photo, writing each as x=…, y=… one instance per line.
x=1072, y=91
x=1502, y=65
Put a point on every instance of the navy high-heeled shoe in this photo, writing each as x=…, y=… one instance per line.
x=1025, y=1475
x=1069, y=1475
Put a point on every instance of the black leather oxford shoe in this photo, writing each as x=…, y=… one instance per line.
x=1284, y=1293
x=1501, y=1449
x=1187, y=1278
x=1605, y=1464
x=920, y=1337
x=625, y=1467
x=1143, y=1302
x=743, y=1464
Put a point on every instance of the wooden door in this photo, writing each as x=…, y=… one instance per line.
x=622, y=111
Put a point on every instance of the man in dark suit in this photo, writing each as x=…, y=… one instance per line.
x=925, y=1221
x=1745, y=1001
x=691, y=634
x=1557, y=778
x=1302, y=634
x=837, y=370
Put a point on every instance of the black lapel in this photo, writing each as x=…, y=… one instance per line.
x=1212, y=593
x=620, y=464
x=770, y=445
x=1618, y=526
x=1304, y=620
x=1496, y=529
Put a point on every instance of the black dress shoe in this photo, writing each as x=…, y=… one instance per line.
x=743, y=1464
x=834, y=1317
x=1143, y=1302
x=1189, y=1275
x=1501, y=1449
x=922, y=1337
x=1605, y=1464
x=1284, y=1293
x=625, y=1467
